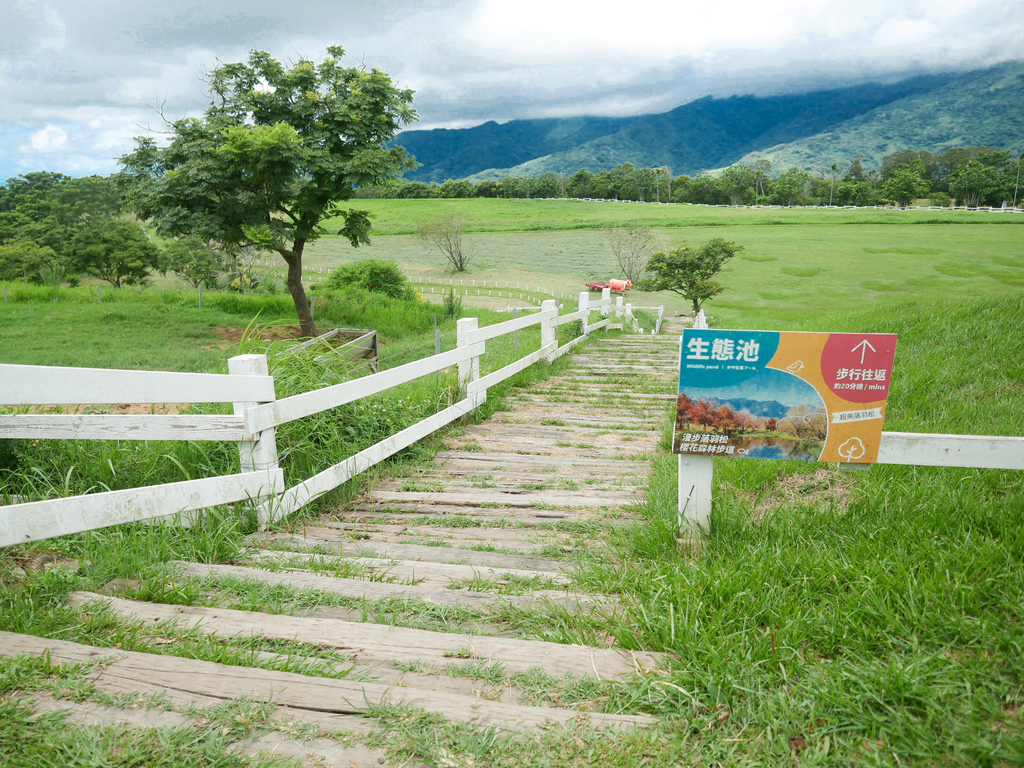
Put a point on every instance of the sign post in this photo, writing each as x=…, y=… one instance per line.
x=776, y=395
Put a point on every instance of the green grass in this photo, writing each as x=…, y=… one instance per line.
x=833, y=618
x=876, y=616
x=795, y=263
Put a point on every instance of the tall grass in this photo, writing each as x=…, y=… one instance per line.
x=870, y=617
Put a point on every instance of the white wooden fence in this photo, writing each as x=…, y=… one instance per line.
x=257, y=414
x=696, y=472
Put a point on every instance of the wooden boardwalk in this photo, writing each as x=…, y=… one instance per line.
x=428, y=579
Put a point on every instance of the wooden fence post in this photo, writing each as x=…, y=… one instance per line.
x=469, y=370
x=584, y=303
x=606, y=303
x=619, y=313
x=548, y=329
x=260, y=455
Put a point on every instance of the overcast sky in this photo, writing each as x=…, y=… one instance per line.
x=78, y=77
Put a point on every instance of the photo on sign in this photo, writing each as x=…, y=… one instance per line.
x=787, y=420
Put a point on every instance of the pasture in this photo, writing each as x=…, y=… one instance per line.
x=833, y=618
x=796, y=263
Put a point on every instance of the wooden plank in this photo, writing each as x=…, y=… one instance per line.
x=933, y=450
x=380, y=590
x=90, y=713
x=398, y=510
x=509, y=326
x=488, y=458
x=143, y=672
x=573, y=316
x=421, y=552
x=481, y=384
x=298, y=496
x=385, y=643
x=123, y=427
x=431, y=573
x=46, y=385
x=299, y=406
x=521, y=499
x=37, y=520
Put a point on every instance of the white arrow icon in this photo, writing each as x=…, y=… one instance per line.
x=864, y=346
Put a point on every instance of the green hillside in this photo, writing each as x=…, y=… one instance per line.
x=983, y=108
x=809, y=130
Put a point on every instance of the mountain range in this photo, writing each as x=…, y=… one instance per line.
x=810, y=130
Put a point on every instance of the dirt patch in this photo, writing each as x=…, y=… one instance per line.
x=231, y=336
x=826, y=487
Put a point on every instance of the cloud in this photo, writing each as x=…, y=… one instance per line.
x=64, y=63
x=50, y=140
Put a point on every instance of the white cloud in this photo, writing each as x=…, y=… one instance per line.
x=64, y=63
x=49, y=140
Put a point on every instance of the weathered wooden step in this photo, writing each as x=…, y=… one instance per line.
x=317, y=752
x=397, y=510
x=510, y=538
x=441, y=574
x=518, y=499
x=340, y=545
x=379, y=590
x=382, y=643
x=566, y=464
x=152, y=674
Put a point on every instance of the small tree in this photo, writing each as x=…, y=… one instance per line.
x=631, y=243
x=447, y=234
x=194, y=262
x=906, y=184
x=690, y=273
x=117, y=252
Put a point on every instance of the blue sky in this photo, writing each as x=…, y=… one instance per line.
x=80, y=78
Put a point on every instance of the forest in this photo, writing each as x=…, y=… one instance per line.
x=966, y=176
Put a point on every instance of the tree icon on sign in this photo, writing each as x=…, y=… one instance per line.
x=852, y=449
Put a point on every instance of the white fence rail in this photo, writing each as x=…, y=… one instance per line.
x=257, y=414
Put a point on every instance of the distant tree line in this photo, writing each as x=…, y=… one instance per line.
x=55, y=229
x=969, y=176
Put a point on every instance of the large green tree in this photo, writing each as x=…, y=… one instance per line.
x=690, y=273
x=906, y=184
x=272, y=158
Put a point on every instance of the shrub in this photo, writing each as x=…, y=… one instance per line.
x=374, y=275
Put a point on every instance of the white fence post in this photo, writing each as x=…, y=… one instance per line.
x=547, y=327
x=584, y=303
x=606, y=303
x=619, y=313
x=469, y=370
x=696, y=477
x=261, y=455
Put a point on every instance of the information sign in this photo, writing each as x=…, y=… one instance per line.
x=783, y=395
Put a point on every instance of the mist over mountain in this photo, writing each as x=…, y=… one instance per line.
x=810, y=130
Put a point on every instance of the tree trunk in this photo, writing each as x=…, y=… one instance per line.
x=294, y=260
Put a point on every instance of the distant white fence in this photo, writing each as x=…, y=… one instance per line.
x=696, y=472
x=982, y=208
x=257, y=414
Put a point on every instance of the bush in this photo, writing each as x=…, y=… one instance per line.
x=374, y=275
x=940, y=199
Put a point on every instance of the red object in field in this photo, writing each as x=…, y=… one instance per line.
x=617, y=286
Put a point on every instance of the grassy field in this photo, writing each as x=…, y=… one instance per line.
x=795, y=264
x=834, y=618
